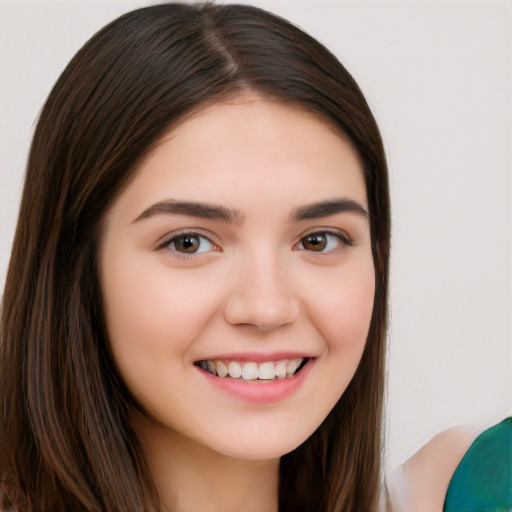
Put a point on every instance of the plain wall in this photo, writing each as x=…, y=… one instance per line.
x=438, y=76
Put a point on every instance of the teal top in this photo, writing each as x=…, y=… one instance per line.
x=482, y=481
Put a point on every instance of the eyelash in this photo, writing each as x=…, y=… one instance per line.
x=170, y=243
x=339, y=236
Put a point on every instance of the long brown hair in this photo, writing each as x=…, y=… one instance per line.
x=66, y=442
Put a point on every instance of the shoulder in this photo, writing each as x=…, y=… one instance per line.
x=450, y=463
x=483, y=479
x=421, y=483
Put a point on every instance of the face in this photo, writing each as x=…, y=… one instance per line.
x=238, y=278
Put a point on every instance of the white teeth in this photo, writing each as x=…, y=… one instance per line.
x=292, y=366
x=222, y=369
x=250, y=371
x=235, y=370
x=269, y=370
x=281, y=369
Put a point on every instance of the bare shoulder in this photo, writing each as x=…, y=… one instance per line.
x=420, y=484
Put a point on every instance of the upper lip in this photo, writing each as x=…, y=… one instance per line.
x=257, y=357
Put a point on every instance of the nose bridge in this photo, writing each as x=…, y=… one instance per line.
x=262, y=293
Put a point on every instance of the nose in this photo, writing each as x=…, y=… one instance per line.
x=262, y=295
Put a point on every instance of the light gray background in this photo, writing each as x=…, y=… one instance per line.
x=438, y=76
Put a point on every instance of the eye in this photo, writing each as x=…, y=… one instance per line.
x=323, y=242
x=189, y=243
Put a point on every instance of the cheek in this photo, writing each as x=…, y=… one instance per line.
x=147, y=302
x=343, y=312
x=152, y=317
x=152, y=322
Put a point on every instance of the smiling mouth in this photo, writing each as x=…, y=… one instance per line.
x=252, y=371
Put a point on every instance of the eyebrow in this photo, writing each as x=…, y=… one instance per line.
x=192, y=209
x=231, y=216
x=327, y=208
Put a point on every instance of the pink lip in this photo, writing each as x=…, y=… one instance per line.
x=259, y=391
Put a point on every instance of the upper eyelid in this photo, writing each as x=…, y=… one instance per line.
x=329, y=231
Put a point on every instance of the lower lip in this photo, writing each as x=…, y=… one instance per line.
x=260, y=391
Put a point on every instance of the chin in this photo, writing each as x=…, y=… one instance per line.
x=261, y=445
x=261, y=452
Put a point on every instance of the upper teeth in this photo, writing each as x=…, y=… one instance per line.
x=251, y=370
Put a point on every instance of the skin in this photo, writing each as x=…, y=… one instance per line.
x=255, y=286
x=421, y=483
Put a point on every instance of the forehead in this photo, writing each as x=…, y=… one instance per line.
x=249, y=147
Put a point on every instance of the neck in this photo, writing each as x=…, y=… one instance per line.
x=192, y=477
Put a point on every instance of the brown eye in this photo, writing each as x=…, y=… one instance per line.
x=190, y=243
x=315, y=242
x=323, y=241
x=186, y=243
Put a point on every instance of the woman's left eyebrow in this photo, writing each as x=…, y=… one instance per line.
x=327, y=208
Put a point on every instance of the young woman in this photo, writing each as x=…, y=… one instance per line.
x=195, y=310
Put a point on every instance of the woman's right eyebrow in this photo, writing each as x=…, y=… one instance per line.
x=193, y=209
